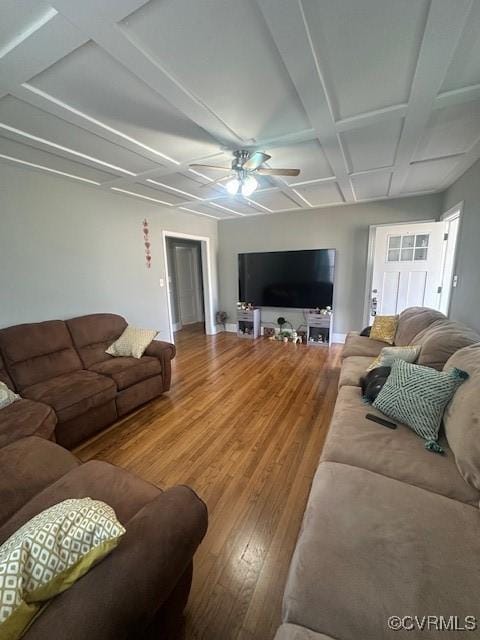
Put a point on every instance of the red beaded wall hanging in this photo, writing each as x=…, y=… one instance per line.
x=146, y=242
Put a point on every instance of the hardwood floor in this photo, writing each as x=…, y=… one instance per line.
x=243, y=424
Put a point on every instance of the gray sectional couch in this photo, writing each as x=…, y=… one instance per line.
x=391, y=529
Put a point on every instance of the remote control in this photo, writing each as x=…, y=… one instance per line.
x=384, y=423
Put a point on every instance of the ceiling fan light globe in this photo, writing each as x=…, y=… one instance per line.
x=232, y=186
x=249, y=185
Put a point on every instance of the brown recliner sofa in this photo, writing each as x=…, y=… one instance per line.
x=141, y=588
x=62, y=365
x=24, y=417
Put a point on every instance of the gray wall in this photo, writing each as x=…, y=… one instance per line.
x=342, y=228
x=465, y=304
x=68, y=249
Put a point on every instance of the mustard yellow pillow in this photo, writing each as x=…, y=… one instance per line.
x=49, y=554
x=384, y=329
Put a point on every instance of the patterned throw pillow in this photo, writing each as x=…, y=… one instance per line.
x=389, y=354
x=384, y=329
x=132, y=342
x=417, y=396
x=48, y=554
x=7, y=396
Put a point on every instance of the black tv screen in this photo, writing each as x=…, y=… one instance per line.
x=287, y=279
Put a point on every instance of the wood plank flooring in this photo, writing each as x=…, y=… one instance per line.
x=243, y=424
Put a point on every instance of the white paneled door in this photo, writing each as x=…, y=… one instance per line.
x=188, y=284
x=408, y=265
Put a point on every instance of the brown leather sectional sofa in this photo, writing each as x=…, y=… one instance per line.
x=391, y=529
x=70, y=387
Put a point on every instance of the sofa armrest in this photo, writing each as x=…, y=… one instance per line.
x=119, y=598
x=165, y=352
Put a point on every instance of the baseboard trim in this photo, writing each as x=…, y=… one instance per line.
x=339, y=337
x=231, y=327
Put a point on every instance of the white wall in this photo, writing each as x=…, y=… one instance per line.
x=342, y=228
x=68, y=249
x=465, y=303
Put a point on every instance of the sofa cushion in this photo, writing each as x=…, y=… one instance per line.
x=372, y=547
x=4, y=377
x=149, y=570
x=354, y=440
x=120, y=489
x=73, y=393
x=440, y=340
x=7, y=396
x=48, y=554
x=353, y=368
x=26, y=418
x=414, y=320
x=384, y=329
x=132, y=343
x=27, y=466
x=37, y=352
x=294, y=632
x=357, y=345
x=417, y=396
x=126, y=372
x=462, y=416
x=93, y=334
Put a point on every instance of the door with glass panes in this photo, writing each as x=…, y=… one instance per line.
x=407, y=269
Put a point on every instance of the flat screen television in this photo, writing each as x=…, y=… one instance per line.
x=287, y=279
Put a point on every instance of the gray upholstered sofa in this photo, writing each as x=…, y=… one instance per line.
x=392, y=529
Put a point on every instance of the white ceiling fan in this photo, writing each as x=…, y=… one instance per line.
x=245, y=165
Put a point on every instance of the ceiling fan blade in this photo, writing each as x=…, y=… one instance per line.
x=255, y=160
x=210, y=184
x=209, y=166
x=278, y=172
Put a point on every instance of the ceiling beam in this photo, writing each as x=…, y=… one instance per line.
x=445, y=23
x=104, y=30
x=38, y=50
x=288, y=27
x=457, y=96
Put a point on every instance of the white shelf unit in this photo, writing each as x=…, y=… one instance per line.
x=319, y=329
x=248, y=323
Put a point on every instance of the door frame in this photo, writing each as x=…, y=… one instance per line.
x=372, y=233
x=210, y=328
x=196, y=249
x=454, y=212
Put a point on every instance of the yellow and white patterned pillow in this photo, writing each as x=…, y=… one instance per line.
x=7, y=396
x=132, y=342
x=49, y=554
x=384, y=329
x=389, y=354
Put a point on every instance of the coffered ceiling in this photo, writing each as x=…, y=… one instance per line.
x=370, y=99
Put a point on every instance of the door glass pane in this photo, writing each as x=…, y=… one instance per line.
x=421, y=240
x=393, y=255
x=421, y=254
x=394, y=242
x=406, y=254
x=407, y=242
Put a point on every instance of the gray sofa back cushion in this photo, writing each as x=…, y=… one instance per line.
x=414, y=320
x=441, y=340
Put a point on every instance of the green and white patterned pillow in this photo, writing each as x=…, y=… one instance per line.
x=417, y=396
x=48, y=554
